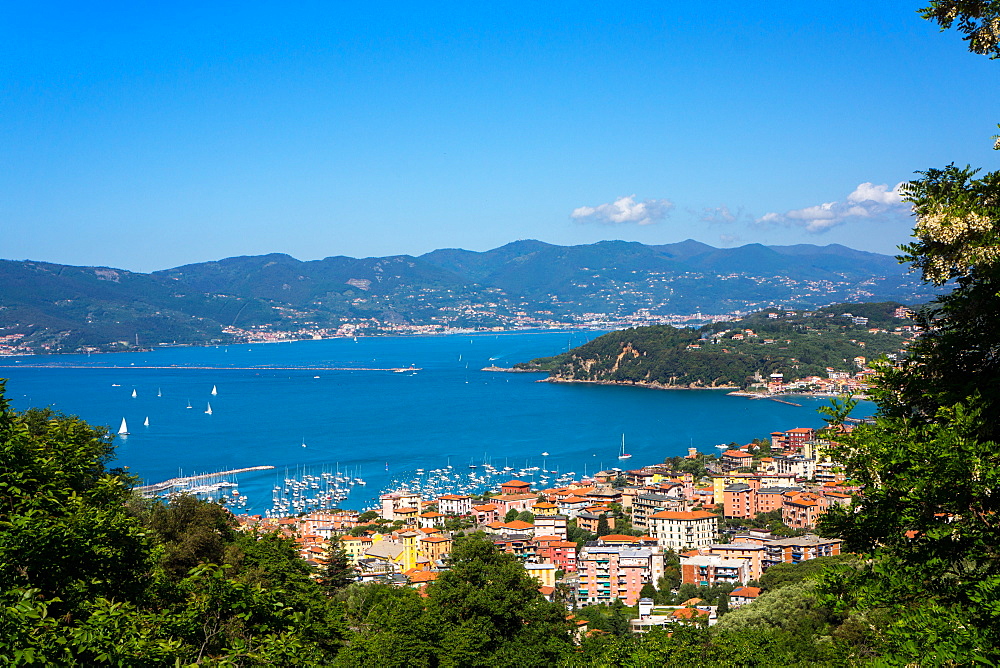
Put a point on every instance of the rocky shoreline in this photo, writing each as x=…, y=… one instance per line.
x=648, y=385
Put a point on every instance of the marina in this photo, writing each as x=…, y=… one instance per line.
x=392, y=430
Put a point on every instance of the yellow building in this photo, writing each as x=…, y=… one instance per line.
x=407, y=514
x=434, y=548
x=356, y=546
x=545, y=573
x=408, y=539
x=544, y=508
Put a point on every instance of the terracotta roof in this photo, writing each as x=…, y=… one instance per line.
x=746, y=592
x=518, y=524
x=562, y=543
x=737, y=453
x=688, y=613
x=518, y=483
x=486, y=507
x=619, y=538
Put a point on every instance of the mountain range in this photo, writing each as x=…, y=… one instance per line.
x=51, y=307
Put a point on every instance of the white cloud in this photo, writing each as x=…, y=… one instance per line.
x=624, y=210
x=722, y=215
x=869, y=192
x=867, y=201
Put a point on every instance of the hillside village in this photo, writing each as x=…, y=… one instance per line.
x=639, y=536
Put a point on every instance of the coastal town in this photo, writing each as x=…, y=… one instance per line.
x=636, y=536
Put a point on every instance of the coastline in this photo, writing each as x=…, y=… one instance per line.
x=624, y=383
x=408, y=335
x=735, y=391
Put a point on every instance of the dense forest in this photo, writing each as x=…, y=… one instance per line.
x=735, y=354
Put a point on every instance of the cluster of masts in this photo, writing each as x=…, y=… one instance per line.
x=222, y=488
x=306, y=490
x=481, y=478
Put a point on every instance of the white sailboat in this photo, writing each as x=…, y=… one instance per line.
x=123, y=430
x=146, y=423
x=133, y=393
x=189, y=404
x=214, y=391
x=159, y=392
x=623, y=455
x=208, y=411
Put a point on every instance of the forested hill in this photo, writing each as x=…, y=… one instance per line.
x=734, y=354
x=51, y=307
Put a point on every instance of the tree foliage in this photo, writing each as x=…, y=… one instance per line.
x=977, y=20
x=91, y=575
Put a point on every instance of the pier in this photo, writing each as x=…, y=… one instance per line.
x=784, y=401
x=158, y=487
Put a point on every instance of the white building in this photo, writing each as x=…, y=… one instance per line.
x=684, y=530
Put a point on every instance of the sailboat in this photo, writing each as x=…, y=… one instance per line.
x=159, y=392
x=133, y=393
x=208, y=411
x=123, y=430
x=623, y=455
x=146, y=423
x=214, y=391
x=189, y=404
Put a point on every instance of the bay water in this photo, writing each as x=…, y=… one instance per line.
x=339, y=404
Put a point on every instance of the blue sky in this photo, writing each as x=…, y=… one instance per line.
x=146, y=137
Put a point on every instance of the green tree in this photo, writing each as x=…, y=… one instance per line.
x=929, y=465
x=977, y=20
x=88, y=580
x=723, y=606
x=602, y=525
x=66, y=531
x=511, y=515
x=192, y=532
x=338, y=572
x=488, y=611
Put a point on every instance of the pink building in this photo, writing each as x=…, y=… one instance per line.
x=609, y=573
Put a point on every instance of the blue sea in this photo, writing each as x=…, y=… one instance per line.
x=340, y=399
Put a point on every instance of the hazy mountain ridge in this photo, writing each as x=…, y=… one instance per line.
x=48, y=306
